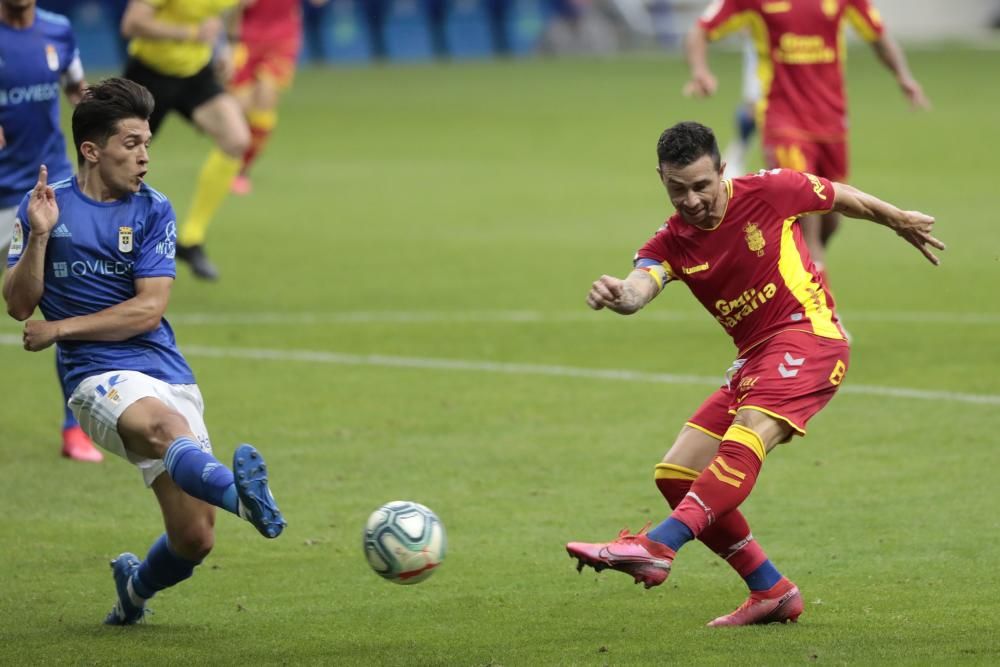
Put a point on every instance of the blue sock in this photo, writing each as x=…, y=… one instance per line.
x=671, y=532
x=200, y=474
x=69, y=421
x=161, y=569
x=763, y=578
x=746, y=123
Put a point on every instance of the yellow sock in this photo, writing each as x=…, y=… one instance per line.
x=214, y=181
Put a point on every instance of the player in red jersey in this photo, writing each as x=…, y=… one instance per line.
x=270, y=40
x=803, y=111
x=738, y=246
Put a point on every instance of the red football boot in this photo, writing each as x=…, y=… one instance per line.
x=77, y=446
x=643, y=559
x=779, y=604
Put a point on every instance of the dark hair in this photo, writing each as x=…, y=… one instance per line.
x=103, y=105
x=686, y=142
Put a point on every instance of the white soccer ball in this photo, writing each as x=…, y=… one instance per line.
x=404, y=542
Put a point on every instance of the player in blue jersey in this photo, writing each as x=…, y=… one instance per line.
x=38, y=56
x=96, y=254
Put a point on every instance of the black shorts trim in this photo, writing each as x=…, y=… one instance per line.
x=182, y=94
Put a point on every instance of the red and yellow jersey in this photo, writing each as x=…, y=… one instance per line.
x=800, y=44
x=752, y=272
x=271, y=20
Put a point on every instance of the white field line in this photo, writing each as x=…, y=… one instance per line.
x=528, y=317
x=534, y=316
x=507, y=368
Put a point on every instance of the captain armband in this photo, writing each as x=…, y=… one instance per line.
x=657, y=272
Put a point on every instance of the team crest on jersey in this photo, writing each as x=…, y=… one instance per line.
x=830, y=8
x=17, y=240
x=52, y=57
x=755, y=239
x=125, y=239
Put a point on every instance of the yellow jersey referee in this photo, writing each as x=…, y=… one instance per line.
x=170, y=53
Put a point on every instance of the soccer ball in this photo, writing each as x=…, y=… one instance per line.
x=404, y=542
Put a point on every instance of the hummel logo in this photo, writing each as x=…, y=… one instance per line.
x=61, y=232
x=688, y=270
x=791, y=361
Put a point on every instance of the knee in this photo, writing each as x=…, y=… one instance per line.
x=193, y=542
x=163, y=429
x=236, y=141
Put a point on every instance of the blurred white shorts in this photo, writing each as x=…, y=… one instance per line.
x=7, y=216
x=100, y=400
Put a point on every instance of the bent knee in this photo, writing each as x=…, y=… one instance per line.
x=166, y=427
x=193, y=543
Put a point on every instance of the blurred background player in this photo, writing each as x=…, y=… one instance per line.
x=801, y=54
x=170, y=53
x=735, y=154
x=37, y=53
x=270, y=36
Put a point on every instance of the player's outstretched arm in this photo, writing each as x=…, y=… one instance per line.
x=623, y=296
x=915, y=227
x=892, y=57
x=138, y=315
x=703, y=83
x=24, y=284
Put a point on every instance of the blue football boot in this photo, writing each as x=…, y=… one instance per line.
x=125, y=612
x=256, y=504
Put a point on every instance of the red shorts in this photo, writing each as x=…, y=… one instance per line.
x=272, y=59
x=822, y=158
x=790, y=376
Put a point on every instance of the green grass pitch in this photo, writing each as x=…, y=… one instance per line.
x=404, y=217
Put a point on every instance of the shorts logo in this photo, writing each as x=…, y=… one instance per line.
x=17, y=241
x=786, y=372
x=52, y=57
x=110, y=393
x=755, y=239
x=125, y=239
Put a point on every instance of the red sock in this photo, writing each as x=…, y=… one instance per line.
x=725, y=483
x=261, y=125
x=729, y=536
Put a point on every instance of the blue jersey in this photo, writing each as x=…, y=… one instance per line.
x=94, y=255
x=33, y=61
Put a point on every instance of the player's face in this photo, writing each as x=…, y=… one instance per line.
x=124, y=159
x=694, y=190
x=17, y=5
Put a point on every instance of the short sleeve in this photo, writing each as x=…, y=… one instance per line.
x=158, y=244
x=724, y=17
x=19, y=237
x=865, y=19
x=794, y=193
x=654, y=252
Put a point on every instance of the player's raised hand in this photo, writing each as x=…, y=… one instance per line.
x=702, y=84
x=916, y=228
x=606, y=291
x=43, y=212
x=38, y=335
